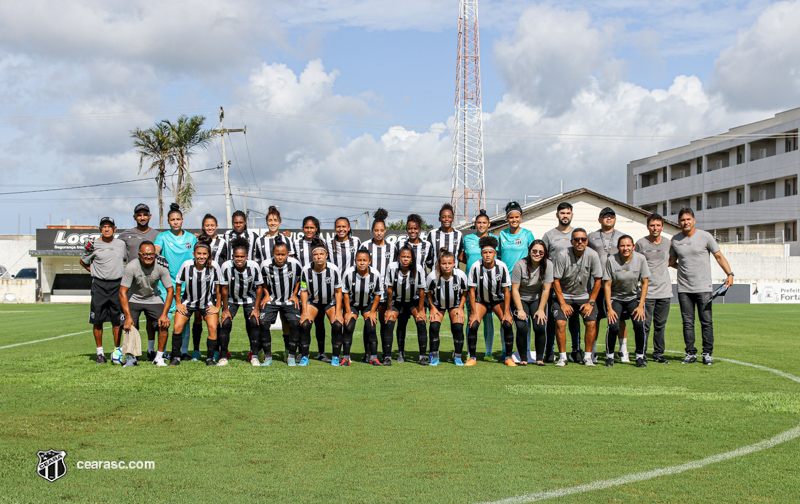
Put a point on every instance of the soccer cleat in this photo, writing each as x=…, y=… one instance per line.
x=254, y=361
x=472, y=361
x=130, y=362
x=267, y=362
x=322, y=357
x=290, y=361
x=196, y=355
x=609, y=361
x=423, y=361
x=151, y=354
x=401, y=357
x=303, y=361
x=707, y=359
x=523, y=363
x=101, y=359
x=185, y=357
x=222, y=362
x=550, y=357
x=489, y=358
x=562, y=361
x=345, y=362
x=227, y=355
x=624, y=357
x=387, y=361
x=660, y=359
x=689, y=359
x=640, y=362
x=249, y=355
x=576, y=356
x=335, y=361
x=375, y=362
x=434, y=361
x=508, y=362
x=159, y=362
x=456, y=361
x=210, y=362
x=216, y=356
x=587, y=360
x=175, y=362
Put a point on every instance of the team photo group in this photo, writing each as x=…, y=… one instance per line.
x=537, y=289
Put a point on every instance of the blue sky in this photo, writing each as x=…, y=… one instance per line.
x=347, y=103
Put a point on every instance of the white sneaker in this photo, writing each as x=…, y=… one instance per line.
x=624, y=357
x=222, y=362
x=254, y=361
x=515, y=357
x=562, y=361
x=160, y=363
x=587, y=360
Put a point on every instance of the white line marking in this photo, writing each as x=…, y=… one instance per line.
x=46, y=339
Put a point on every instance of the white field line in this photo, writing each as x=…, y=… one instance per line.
x=46, y=339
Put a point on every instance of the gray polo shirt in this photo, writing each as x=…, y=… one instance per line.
x=657, y=255
x=530, y=286
x=577, y=276
x=556, y=241
x=625, y=277
x=106, y=259
x=142, y=283
x=694, y=269
x=605, y=244
x=133, y=238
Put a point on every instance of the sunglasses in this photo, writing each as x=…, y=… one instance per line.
x=584, y=239
x=537, y=252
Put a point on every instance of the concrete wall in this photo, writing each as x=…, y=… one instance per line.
x=23, y=291
x=14, y=252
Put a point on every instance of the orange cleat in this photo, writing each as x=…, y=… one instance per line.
x=471, y=362
x=510, y=362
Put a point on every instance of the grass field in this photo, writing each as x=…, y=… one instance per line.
x=405, y=433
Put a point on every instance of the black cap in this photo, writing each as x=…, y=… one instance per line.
x=103, y=220
x=141, y=207
x=606, y=211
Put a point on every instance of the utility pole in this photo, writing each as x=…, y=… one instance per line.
x=245, y=193
x=222, y=131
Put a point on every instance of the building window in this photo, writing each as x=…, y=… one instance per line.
x=699, y=203
x=740, y=154
x=699, y=165
x=739, y=196
x=790, y=187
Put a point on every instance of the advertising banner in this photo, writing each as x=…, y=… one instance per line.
x=766, y=293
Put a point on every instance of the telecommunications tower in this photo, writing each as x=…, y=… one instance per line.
x=468, y=183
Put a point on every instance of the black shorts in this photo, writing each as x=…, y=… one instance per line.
x=576, y=304
x=151, y=310
x=490, y=305
x=269, y=314
x=360, y=311
x=202, y=312
x=233, y=308
x=105, y=305
x=404, y=306
x=324, y=307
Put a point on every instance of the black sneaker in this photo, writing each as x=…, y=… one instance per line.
x=323, y=358
x=400, y=357
x=576, y=356
x=387, y=361
x=151, y=354
x=423, y=361
x=186, y=356
x=609, y=361
x=175, y=362
x=101, y=359
x=707, y=359
x=660, y=359
x=689, y=359
x=550, y=357
x=640, y=362
x=210, y=362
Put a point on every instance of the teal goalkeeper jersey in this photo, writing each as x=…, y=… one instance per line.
x=514, y=247
x=472, y=251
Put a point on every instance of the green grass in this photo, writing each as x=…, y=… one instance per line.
x=399, y=434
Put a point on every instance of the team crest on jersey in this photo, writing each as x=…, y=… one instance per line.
x=498, y=276
x=518, y=241
x=188, y=245
x=51, y=464
x=327, y=280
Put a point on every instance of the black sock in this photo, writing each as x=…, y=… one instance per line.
x=386, y=338
x=372, y=337
x=305, y=338
x=458, y=338
x=197, y=335
x=508, y=335
x=434, y=334
x=212, y=347
x=293, y=340
x=347, y=337
x=472, y=338
x=422, y=337
x=337, y=337
x=177, y=341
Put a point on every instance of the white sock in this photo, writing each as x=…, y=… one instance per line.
x=587, y=356
x=159, y=355
x=623, y=345
x=151, y=345
x=640, y=356
x=562, y=355
x=99, y=350
x=609, y=355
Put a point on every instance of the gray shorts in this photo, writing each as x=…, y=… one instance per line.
x=151, y=310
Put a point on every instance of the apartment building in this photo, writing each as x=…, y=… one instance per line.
x=742, y=185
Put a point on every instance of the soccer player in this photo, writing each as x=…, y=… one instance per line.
x=655, y=249
x=239, y=222
x=219, y=254
x=470, y=254
x=344, y=246
x=531, y=281
x=604, y=241
x=362, y=288
x=689, y=254
x=489, y=281
x=197, y=292
x=446, y=289
x=577, y=278
x=302, y=246
x=514, y=242
x=382, y=254
x=104, y=258
x=320, y=292
x=557, y=239
x=240, y=285
x=265, y=243
x=405, y=294
x=177, y=247
x=281, y=287
x=444, y=237
x=422, y=249
x=138, y=293
x=133, y=238
x=623, y=273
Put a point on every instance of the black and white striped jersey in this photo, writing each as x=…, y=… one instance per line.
x=343, y=254
x=302, y=251
x=421, y=250
x=265, y=243
x=405, y=286
x=382, y=255
x=452, y=241
x=321, y=285
x=281, y=281
x=241, y=284
x=250, y=236
x=362, y=289
x=198, y=286
x=219, y=250
x=447, y=294
x=489, y=282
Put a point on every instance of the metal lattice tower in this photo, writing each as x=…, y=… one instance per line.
x=468, y=183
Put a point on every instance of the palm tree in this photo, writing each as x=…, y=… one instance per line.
x=155, y=144
x=185, y=135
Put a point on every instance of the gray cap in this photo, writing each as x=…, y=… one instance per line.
x=103, y=220
x=141, y=207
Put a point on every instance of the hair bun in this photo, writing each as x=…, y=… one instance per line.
x=380, y=214
x=174, y=206
x=272, y=208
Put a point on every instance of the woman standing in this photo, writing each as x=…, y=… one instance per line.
x=265, y=243
x=382, y=254
x=239, y=222
x=362, y=287
x=219, y=254
x=623, y=273
x=445, y=237
x=281, y=287
x=422, y=249
x=471, y=253
x=531, y=280
x=405, y=298
x=320, y=292
x=302, y=246
x=241, y=288
x=344, y=246
x=446, y=289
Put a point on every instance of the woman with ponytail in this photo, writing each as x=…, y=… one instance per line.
x=382, y=254
x=446, y=288
x=265, y=243
x=472, y=254
x=320, y=292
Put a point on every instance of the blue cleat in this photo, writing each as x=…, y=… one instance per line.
x=291, y=362
x=457, y=361
x=303, y=361
x=434, y=361
x=335, y=361
x=267, y=362
x=196, y=355
x=216, y=356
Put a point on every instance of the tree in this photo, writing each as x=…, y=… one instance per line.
x=186, y=134
x=401, y=224
x=155, y=144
